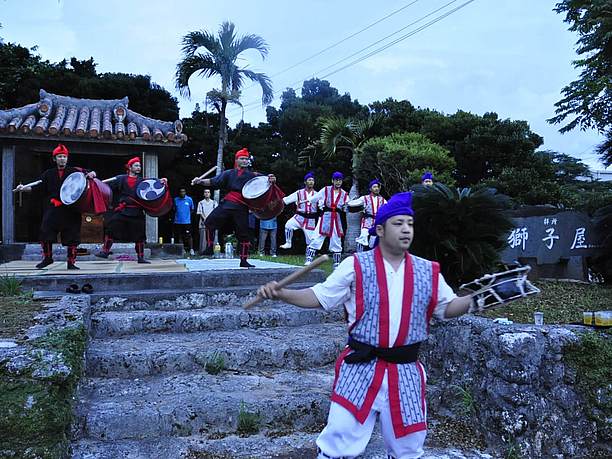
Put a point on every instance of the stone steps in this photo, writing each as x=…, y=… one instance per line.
x=201, y=404
x=299, y=445
x=219, y=318
x=33, y=252
x=176, y=299
x=131, y=282
x=305, y=346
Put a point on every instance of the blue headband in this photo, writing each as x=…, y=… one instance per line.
x=398, y=204
x=372, y=183
x=426, y=176
x=309, y=175
x=337, y=175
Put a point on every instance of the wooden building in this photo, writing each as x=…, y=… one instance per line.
x=100, y=134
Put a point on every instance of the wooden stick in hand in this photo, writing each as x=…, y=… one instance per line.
x=290, y=279
x=204, y=175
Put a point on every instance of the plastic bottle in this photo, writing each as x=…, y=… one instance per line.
x=217, y=250
x=229, y=250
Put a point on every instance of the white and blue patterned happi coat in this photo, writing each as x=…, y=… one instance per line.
x=330, y=220
x=357, y=384
x=371, y=204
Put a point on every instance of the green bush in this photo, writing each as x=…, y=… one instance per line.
x=10, y=286
x=248, y=422
x=463, y=229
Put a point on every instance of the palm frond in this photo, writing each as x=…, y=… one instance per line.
x=203, y=64
x=267, y=94
x=200, y=39
x=251, y=41
x=227, y=35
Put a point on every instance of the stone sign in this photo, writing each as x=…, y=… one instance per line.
x=551, y=238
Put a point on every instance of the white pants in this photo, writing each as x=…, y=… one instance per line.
x=345, y=437
x=292, y=224
x=364, y=238
x=335, y=241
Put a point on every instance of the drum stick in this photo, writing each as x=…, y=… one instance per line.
x=290, y=279
x=37, y=182
x=108, y=180
x=205, y=174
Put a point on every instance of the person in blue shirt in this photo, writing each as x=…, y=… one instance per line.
x=183, y=207
x=267, y=228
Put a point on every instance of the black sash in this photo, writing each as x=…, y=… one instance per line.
x=364, y=353
x=307, y=215
x=329, y=209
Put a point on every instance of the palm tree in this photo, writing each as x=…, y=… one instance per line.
x=339, y=134
x=209, y=55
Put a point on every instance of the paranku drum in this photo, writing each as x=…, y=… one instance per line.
x=264, y=199
x=153, y=197
x=89, y=196
x=355, y=205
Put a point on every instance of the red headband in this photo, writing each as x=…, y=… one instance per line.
x=135, y=159
x=60, y=150
x=244, y=153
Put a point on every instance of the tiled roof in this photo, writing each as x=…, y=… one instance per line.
x=94, y=118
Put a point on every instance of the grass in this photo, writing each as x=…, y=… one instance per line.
x=248, y=422
x=215, y=364
x=466, y=399
x=561, y=302
x=17, y=308
x=297, y=260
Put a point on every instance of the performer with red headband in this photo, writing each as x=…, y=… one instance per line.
x=306, y=214
x=333, y=199
x=127, y=222
x=58, y=218
x=233, y=210
x=371, y=203
x=390, y=296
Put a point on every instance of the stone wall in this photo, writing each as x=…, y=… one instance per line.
x=38, y=378
x=515, y=383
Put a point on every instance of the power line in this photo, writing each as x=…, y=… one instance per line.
x=298, y=82
x=393, y=13
x=384, y=47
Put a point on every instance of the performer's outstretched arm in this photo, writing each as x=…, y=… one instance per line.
x=304, y=298
x=458, y=307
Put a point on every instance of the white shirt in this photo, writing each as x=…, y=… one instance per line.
x=204, y=209
x=339, y=288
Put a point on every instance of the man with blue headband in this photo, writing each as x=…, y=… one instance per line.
x=333, y=199
x=371, y=203
x=305, y=217
x=427, y=179
x=390, y=297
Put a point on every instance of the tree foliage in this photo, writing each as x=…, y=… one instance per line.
x=399, y=160
x=463, y=229
x=23, y=73
x=587, y=101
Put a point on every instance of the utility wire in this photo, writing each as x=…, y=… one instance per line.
x=380, y=49
x=393, y=13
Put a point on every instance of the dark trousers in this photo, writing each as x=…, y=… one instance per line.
x=182, y=232
x=62, y=221
x=227, y=217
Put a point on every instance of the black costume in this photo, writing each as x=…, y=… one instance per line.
x=232, y=212
x=58, y=218
x=127, y=222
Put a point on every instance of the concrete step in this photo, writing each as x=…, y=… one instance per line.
x=305, y=346
x=299, y=445
x=33, y=252
x=175, y=299
x=201, y=404
x=129, y=282
x=121, y=323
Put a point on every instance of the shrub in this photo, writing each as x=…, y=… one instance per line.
x=248, y=422
x=463, y=229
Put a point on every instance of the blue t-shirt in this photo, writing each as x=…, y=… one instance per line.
x=183, y=208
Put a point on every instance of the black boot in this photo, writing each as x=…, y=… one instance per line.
x=244, y=254
x=44, y=263
x=71, y=257
x=142, y=261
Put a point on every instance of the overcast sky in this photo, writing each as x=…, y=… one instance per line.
x=507, y=56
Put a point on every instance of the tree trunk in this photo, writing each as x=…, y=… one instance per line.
x=220, y=145
x=353, y=221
